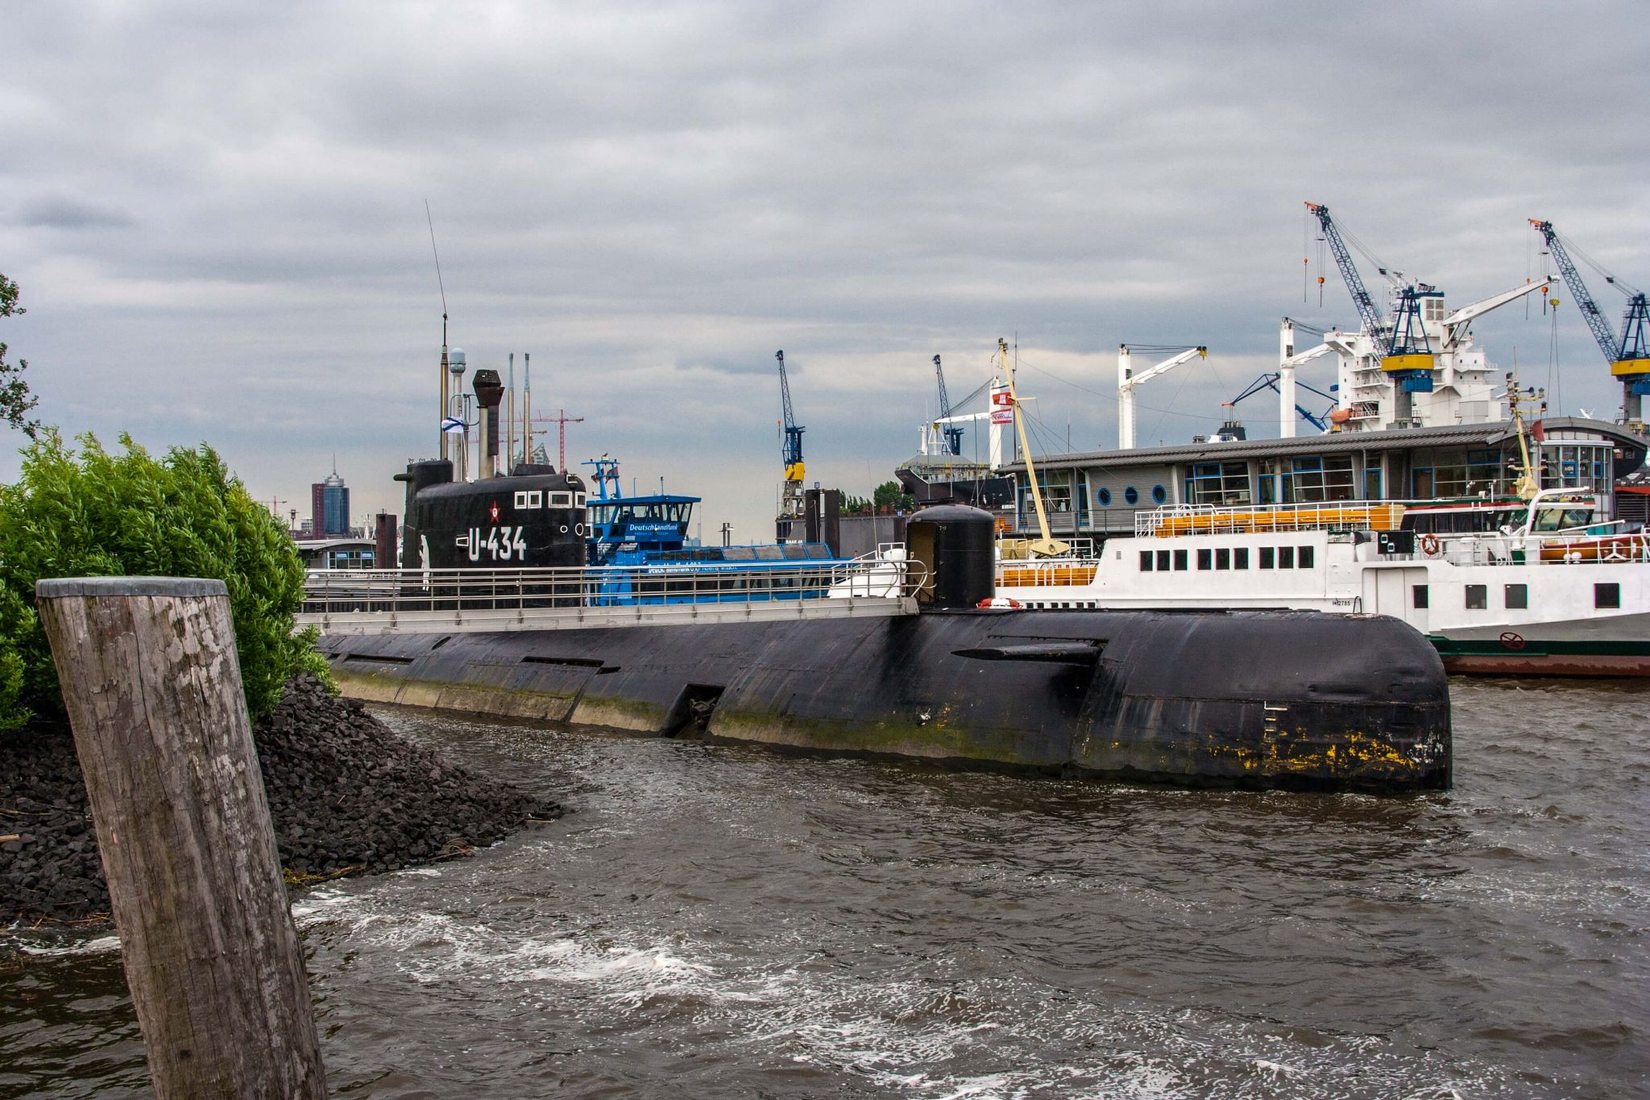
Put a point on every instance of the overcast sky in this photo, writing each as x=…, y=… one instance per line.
x=216, y=213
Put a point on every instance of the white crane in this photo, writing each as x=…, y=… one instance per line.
x=1288, y=360
x=1127, y=380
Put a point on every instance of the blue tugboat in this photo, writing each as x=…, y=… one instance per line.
x=649, y=534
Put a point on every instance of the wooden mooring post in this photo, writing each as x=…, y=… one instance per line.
x=153, y=689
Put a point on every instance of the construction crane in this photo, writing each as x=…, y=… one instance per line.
x=1127, y=380
x=790, y=453
x=953, y=433
x=1629, y=357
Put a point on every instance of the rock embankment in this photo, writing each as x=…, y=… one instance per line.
x=346, y=795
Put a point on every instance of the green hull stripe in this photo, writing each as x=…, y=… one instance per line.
x=1531, y=647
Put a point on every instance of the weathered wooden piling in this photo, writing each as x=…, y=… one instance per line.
x=153, y=689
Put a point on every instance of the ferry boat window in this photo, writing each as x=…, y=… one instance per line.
x=1607, y=595
x=1478, y=597
x=1418, y=595
x=1203, y=559
x=1240, y=558
x=1163, y=561
x=1267, y=557
x=1146, y=559
x=1286, y=557
x=1180, y=561
x=1223, y=558
x=1303, y=557
x=1518, y=597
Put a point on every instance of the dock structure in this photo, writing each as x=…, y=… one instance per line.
x=152, y=684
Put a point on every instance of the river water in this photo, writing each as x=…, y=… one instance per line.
x=731, y=922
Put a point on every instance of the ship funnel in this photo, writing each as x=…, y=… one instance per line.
x=489, y=392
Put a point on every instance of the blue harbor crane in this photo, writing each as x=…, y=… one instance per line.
x=1629, y=357
x=790, y=453
x=953, y=432
x=1269, y=381
x=1403, y=346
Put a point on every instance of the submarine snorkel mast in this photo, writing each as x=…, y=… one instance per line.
x=1044, y=546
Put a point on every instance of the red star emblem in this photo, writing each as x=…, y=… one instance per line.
x=493, y=511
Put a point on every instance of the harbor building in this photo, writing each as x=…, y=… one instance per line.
x=1096, y=494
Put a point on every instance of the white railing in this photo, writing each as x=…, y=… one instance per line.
x=400, y=591
x=1560, y=548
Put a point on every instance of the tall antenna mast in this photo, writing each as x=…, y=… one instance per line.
x=441, y=413
x=527, y=405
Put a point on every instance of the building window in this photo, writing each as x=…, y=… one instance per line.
x=1303, y=557
x=1607, y=595
x=1132, y=495
x=1317, y=478
x=1223, y=558
x=1104, y=497
x=1180, y=561
x=1286, y=557
x=1240, y=558
x=1518, y=597
x=1218, y=483
x=1145, y=561
x=1159, y=494
x=1203, y=557
x=1478, y=597
x=1266, y=557
x=1418, y=595
x=1162, y=561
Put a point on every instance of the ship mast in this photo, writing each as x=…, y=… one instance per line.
x=1045, y=546
x=1528, y=484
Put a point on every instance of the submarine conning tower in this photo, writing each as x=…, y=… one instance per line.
x=533, y=518
x=955, y=545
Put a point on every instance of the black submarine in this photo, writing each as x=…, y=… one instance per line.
x=1250, y=699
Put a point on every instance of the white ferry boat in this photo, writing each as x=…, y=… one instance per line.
x=1500, y=587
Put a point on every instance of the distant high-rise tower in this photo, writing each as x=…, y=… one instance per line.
x=329, y=507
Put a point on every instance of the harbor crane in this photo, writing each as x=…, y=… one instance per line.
x=1368, y=314
x=1127, y=380
x=1269, y=381
x=953, y=432
x=1420, y=349
x=790, y=453
x=1403, y=344
x=1629, y=357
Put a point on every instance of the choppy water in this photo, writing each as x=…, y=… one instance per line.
x=717, y=921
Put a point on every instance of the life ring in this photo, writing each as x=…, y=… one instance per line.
x=998, y=601
x=1429, y=545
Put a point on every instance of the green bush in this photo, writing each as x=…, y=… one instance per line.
x=96, y=514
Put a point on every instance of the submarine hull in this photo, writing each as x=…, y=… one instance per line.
x=1250, y=699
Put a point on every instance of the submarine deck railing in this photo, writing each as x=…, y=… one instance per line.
x=382, y=601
